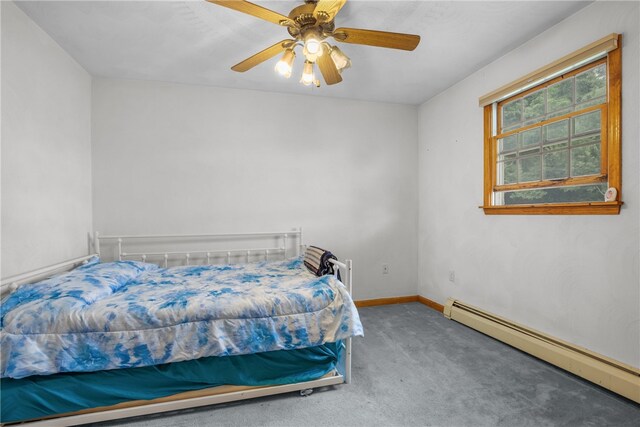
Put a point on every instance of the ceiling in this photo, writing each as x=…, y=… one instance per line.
x=197, y=42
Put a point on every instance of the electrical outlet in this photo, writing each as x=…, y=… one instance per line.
x=385, y=268
x=452, y=276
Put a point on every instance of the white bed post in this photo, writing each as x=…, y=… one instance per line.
x=96, y=242
x=284, y=240
x=350, y=276
x=347, y=362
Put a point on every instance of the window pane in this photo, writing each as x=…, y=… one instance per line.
x=556, y=146
x=560, y=96
x=591, y=84
x=509, y=143
x=583, y=140
x=531, y=137
x=585, y=160
x=555, y=165
x=560, y=113
x=582, y=193
x=534, y=105
x=591, y=102
x=529, y=169
x=508, y=171
x=534, y=150
x=512, y=113
x=508, y=156
x=589, y=122
x=557, y=130
x=570, y=94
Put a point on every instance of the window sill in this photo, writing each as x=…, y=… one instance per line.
x=593, y=208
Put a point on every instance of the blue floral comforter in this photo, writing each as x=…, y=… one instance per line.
x=129, y=314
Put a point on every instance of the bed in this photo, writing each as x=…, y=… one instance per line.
x=130, y=336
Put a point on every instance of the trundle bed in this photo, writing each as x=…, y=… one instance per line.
x=151, y=324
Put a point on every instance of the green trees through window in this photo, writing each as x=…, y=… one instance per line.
x=558, y=150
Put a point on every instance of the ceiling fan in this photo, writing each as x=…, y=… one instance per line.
x=310, y=25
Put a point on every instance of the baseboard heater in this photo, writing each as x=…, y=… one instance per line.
x=608, y=373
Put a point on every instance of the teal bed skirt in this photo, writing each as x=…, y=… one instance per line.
x=42, y=396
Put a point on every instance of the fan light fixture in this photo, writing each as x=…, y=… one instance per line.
x=312, y=44
x=341, y=60
x=284, y=66
x=312, y=57
x=338, y=59
x=307, y=74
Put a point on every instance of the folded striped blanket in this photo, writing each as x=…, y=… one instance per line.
x=317, y=261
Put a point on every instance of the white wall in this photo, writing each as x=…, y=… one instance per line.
x=46, y=148
x=191, y=159
x=576, y=277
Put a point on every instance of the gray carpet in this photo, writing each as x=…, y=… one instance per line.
x=414, y=367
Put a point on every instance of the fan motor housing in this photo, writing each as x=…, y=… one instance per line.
x=303, y=16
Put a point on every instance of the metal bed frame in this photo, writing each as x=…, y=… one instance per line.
x=205, y=397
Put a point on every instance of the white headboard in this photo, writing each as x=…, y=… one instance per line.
x=175, y=249
x=186, y=249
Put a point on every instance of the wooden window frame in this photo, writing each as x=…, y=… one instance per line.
x=611, y=160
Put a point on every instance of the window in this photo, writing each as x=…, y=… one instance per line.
x=552, y=139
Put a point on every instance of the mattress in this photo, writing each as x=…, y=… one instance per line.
x=129, y=314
